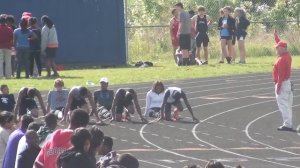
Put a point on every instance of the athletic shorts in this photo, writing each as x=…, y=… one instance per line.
x=226, y=37
x=77, y=103
x=185, y=41
x=121, y=106
x=51, y=52
x=168, y=106
x=241, y=37
x=202, y=39
x=27, y=105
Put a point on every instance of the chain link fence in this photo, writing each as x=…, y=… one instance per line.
x=149, y=35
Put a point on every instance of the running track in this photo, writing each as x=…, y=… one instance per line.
x=238, y=120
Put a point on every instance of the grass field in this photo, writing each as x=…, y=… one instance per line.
x=164, y=69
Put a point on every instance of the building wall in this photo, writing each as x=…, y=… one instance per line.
x=89, y=31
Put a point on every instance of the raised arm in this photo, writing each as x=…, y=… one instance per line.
x=276, y=37
x=186, y=102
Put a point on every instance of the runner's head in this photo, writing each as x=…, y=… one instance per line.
x=47, y=21
x=10, y=20
x=79, y=118
x=201, y=10
x=59, y=84
x=281, y=47
x=129, y=95
x=51, y=121
x=83, y=91
x=239, y=12
x=192, y=13
x=128, y=160
x=96, y=140
x=33, y=21
x=32, y=138
x=4, y=89
x=6, y=120
x=179, y=7
x=26, y=120
x=104, y=83
x=227, y=10
x=158, y=87
x=32, y=92
x=174, y=12
x=176, y=95
x=106, y=145
x=34, y=126
x=81, y=140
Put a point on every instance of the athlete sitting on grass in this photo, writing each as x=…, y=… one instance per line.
x=124, y=102
x=172, y=98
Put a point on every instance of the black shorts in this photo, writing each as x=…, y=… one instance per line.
x=168, y=106
x=226, y=37
x=77, y=103
x=241, y=37
x=185, y=41
x=27, y=105
x=202, y=39
x=51, y=52
x=121, y=106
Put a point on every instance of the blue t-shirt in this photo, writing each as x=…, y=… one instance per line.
x=22, y=41
x=224, y=31
x=7, y=102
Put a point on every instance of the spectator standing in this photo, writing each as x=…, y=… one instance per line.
x=6, y=43
x=10, y=22
x=49, y=45
x=174, y=27
x=35, y=47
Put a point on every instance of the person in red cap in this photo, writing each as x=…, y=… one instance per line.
x=283, y=85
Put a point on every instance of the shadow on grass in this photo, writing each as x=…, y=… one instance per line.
x=64, y=77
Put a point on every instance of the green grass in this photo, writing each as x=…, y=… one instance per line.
x=164, y=69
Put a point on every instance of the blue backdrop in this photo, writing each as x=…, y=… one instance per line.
x=89, y=31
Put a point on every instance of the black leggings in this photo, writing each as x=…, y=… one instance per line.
x=35, y=55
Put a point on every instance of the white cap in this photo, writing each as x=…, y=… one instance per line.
x=104, y=79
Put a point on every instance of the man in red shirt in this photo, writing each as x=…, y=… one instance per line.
x=283, y=85
x=6, y=42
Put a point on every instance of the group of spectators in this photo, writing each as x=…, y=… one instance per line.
x=189, y=32
x=22, y=46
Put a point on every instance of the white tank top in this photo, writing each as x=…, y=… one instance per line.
x=172, y=91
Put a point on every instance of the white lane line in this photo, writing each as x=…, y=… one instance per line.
x=135, y=143
x=283, y=140
x=222, y=126
x=230, y=139
x=124, y=140
x=233, y=128
x=230, y=152
x=210, y=123
x=190, y=142
x=219, y=137
x=165, y=150
x=258, y=133
x=205, y=133
x=114, y=138
x=171, y=126
x=122, y=126
x=166, y=137
x=201, y=145
x=155, y=135
x=131, y=129
x=270, y=136
x=178, y=140
x=256, y=141
x=155, y=164
x=183, y=129
x=147, y=146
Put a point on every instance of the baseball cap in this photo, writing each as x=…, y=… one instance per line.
x=281, y=44
x=104, y=79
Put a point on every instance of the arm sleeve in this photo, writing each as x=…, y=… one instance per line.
x=45, y=33
x=148, y=101
x=277, y=39
x=40, y=158
x=282, y=69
